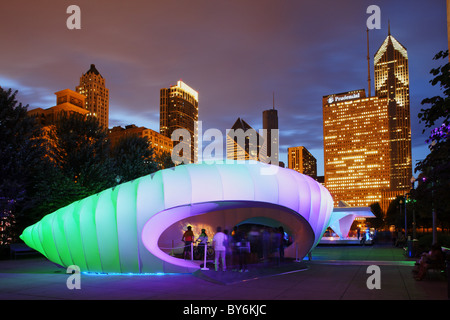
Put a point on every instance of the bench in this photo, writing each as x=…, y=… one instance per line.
x=20, y=249
x=441, y=267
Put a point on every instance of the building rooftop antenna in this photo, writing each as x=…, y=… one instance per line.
x=273, y=105
x=368, y=63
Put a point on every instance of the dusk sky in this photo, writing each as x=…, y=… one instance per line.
x=235, y=53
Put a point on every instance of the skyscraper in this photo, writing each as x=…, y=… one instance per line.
x=367, y=140
x=243, y=142
x=392, y=82
x=301, y=160
x=92, y=85
x=356, y=147
x=179, y=110
x=270, y=124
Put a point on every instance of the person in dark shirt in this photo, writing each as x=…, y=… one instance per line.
x=188, y=238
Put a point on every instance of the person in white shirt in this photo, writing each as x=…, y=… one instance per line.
x=220, y=242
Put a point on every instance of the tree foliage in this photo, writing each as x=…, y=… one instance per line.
x=378, y=221
x=164, y=161
x=133, y=158
x=78, y=165
x=82, y=150
x=434, y=184
x=439, y=109
x=21, y=158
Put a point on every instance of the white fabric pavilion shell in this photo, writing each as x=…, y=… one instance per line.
x=117, y=230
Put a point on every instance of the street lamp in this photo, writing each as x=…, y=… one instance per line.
x=433, y=211
x=403, y=201
x=413, y=211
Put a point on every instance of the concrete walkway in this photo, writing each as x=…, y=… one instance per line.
x=334, y=273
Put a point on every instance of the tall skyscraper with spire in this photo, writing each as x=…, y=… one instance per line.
x=392, y=82
x=92, y=85
x=367, y=140
x=270, y=124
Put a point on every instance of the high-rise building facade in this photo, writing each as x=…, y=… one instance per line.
x=301, y=160
x=367, y=140
x=67, y=102
x=92, y=85
x=179, y=110
x=356, y=147
x=244, y=142
x=392, y=82
x=270, y=125
x=160, y=144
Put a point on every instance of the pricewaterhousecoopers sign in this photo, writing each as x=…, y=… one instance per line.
x=345, y=96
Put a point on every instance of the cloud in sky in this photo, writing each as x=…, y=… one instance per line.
x=235, y=53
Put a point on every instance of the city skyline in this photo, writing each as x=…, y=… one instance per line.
x=235, y=66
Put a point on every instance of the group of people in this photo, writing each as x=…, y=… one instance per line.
x=188, y=239
x=237, y=245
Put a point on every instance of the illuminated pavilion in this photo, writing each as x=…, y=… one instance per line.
x=127, y=229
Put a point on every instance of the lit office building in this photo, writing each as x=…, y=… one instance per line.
x=67, y=102
x=356, y=147
x=270, y=125
x=367, y=140
x=301, y=160
x=92, y=85
x=179, y=110
x=244, y=142
x=160, y=144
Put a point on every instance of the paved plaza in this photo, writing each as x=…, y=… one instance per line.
x=334, y=273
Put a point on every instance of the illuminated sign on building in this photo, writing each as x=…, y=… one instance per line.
x=346, y=96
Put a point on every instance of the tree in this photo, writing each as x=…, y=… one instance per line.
x=21, y=151
x=164, y=161
x=435, y=167
x=133, y=158
x=82, y=152
x=439, y=109
x=79, y=165
x=378, y=221
x=395, y=214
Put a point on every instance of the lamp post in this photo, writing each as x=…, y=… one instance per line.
x=413, y=211
x=433, y=211
x=433, y=214
x=403, y=201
